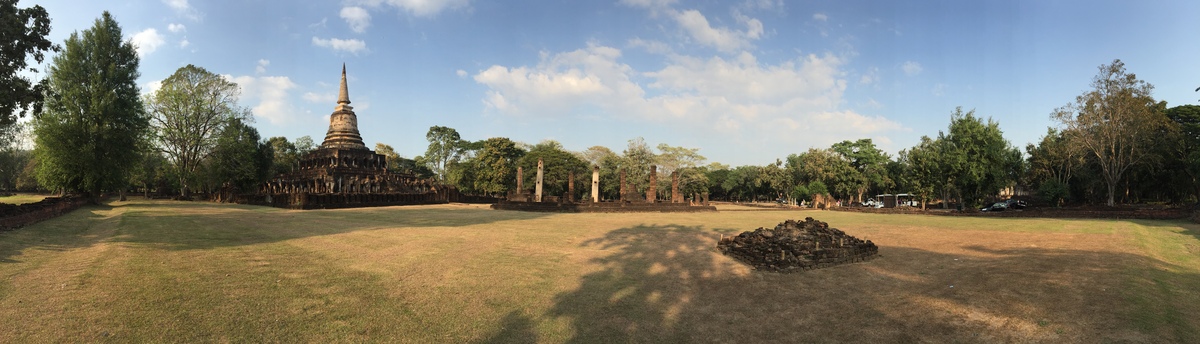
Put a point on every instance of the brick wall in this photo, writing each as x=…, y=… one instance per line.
x=20, y=215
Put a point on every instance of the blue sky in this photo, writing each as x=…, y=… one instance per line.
x=747, y=82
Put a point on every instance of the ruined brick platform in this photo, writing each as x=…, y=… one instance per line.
x=795, y=246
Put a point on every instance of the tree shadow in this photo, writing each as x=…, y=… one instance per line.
x=669, y=284
x=515, y=328
x=181, y=225
x=76, y=229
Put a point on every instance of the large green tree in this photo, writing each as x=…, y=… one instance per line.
x=557, y=164
x=495, y=166
x=1186, y=119
x=871, y=164
x=239, y=158
x=982, y=161
x=635, y=161
x=188, y=112
x=87, y=138
x=1114, y=122
x=23, y=34
x=445, y=145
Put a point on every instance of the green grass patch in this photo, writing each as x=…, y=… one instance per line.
x=22, y=198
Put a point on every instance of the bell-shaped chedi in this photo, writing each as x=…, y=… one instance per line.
x=343, y=123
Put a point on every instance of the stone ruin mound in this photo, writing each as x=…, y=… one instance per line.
x=794, y=246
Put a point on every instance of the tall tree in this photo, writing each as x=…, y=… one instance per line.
x=496, y=166
x=191, y=108
x=87, y=138
x=393, y=158
x=558, y=163
x=444, y=146
x=926, y=171
x=1187, y=118
x=982, y=161
x=239, y=158
x=23, y=34
x=1114, y=122
x=13, y=155
x=285, y=154
x=870, y=162
x=636, y=161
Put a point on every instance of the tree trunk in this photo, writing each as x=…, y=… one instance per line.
x=1112, y=189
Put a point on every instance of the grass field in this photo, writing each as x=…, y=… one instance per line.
x=165, y=271
x=22, y=198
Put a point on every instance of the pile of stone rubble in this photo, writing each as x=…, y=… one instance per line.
x=797, y=245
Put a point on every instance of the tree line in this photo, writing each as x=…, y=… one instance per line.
x=93, y=131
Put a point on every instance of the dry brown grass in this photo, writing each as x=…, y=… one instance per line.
x=22, y=198
x=172, y=271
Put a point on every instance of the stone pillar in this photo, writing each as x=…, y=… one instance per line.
x=622, y=186
x=652, y=189
x=571, y=187
x=675, y=197
x=705, y=197
x=538, y=187
x=595, y=184
x=520, y=181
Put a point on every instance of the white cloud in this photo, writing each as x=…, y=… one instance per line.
x=321, y=24
x=353, y=46
x=724, y=39
x=152, y=87
x=176, y=28
x=737, y=96
x=648, y=3
x=939, y=89
x=147, y=41
x=461, y=73
x=261, y=68
x=820, y=16
x=769, y=5
x=870, y=77
x=911, y=68
x=271, y=94
x=178, y=5
x=313, y=97
x=184, y=43
x=651, y=46
x=420, y=8
x=357, y=18
x=183, y=8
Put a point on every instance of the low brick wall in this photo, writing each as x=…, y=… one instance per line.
x=21, y=215
x=335, y=201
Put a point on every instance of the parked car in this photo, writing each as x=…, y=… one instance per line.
x=872, y=203
x=998, y=206
x=1015, y=204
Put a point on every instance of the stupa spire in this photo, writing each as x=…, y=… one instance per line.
x=343, y=93
x=343, y=123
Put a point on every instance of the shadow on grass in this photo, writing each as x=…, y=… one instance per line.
x=76, y=229
x=669, y=284
x=183, y=225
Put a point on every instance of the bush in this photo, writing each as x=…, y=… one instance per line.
x=1054, y=192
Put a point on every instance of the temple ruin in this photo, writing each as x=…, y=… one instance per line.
x=344, y=173
x=629, y=200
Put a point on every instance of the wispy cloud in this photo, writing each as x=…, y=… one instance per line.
x=353, y=46
x=911, y=68
x=147, y=41
x=357, y=18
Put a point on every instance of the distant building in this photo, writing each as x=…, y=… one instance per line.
x=344, y=173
